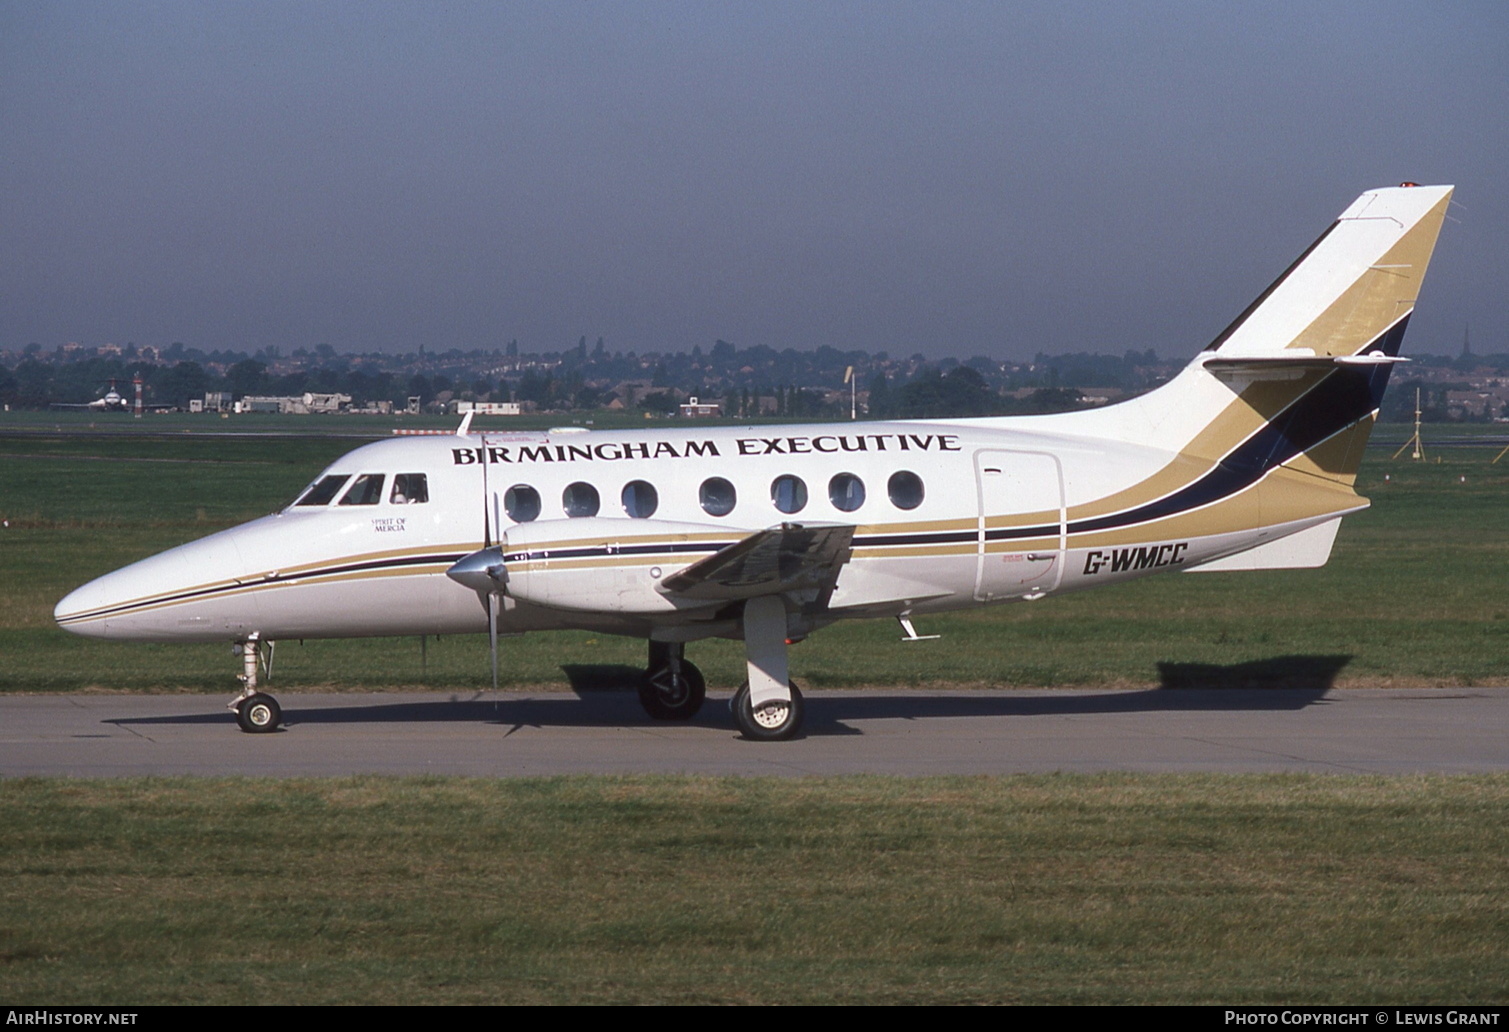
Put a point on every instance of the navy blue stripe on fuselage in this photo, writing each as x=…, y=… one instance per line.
x=255, y=582
x=588, y=551
x=1339, y=401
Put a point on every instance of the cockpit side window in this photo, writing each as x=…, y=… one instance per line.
x=409, y=489
x=366, y=491
x=324, y=489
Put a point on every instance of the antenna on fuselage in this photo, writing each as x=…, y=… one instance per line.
x=487, y=531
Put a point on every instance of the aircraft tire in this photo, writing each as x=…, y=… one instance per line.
x=664, y=699
x=258, y=714
x=775, y=722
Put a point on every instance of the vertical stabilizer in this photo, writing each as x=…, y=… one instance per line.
x=1303, y=368
x=1354, y=285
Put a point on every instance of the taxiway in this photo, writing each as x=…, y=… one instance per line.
x=1379, y=731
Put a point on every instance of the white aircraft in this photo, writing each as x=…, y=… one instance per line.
x=1244, y=461
x=110, y=401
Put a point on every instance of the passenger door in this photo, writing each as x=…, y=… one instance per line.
x=1021, y=524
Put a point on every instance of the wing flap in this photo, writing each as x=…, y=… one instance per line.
x=790, y=557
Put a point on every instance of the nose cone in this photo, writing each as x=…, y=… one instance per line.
x=188, y=593
x=481, y=571
x=73, y=611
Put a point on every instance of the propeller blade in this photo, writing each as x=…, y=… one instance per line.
x=492, y=632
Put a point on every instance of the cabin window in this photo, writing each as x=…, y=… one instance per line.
x=640, y=499
x=409, y=489
x=717, y=496
x=522, y=503
x=846, y=492
x=580, y=499
x=788, y=493
x=905, y=489
x=324, y=489
x=366, y=491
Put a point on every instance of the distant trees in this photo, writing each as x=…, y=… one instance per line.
x=666, y=403
x=752, y=382
x=247, y=377
x=961, y=392
x=179, y=385
x=33, y=379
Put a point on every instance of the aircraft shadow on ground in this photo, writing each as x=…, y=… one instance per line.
x=1280, y=683
x=1297, y=672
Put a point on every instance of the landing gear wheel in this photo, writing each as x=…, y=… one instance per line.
x=665, y=696
x=772, y=722
x=258, y=714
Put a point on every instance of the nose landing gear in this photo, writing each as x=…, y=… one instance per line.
x=256, y=711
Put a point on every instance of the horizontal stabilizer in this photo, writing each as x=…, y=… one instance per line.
x=789, y=557
x=1305, y=550
x=1290, y=365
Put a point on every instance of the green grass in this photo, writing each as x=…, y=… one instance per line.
x=882, y=890
x=1175, y=889
x=1104, y=889
x=1415, y=592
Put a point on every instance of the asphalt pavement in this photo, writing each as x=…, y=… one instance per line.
x=1390, y=731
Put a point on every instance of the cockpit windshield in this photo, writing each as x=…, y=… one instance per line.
x=409, y=489
x=366, y=491
x=324, y=489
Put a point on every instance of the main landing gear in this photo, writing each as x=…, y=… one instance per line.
x=256, y=711
x=768, y=707
x=773, y=721
x=671, y=688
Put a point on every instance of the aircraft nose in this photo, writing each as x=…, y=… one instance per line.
x=72, y=611
x=183, y=594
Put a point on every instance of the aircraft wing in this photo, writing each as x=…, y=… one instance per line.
x=790, y=557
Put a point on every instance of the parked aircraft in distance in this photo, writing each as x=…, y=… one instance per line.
x=110, y=401
x=1244, y=461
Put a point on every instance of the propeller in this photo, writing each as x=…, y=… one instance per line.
x=492, y=633
x=490, y=564
x=484, y=572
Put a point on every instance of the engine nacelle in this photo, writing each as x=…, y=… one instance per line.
x=600, y=564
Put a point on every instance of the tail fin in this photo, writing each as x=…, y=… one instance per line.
x=1313, y=354
x=1296, y=380
x=1266, y=428
x=1309, y=361
x=1353, y=289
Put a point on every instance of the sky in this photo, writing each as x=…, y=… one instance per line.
x=949, y=178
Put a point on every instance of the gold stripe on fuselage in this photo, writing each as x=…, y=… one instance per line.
x=234, y=587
